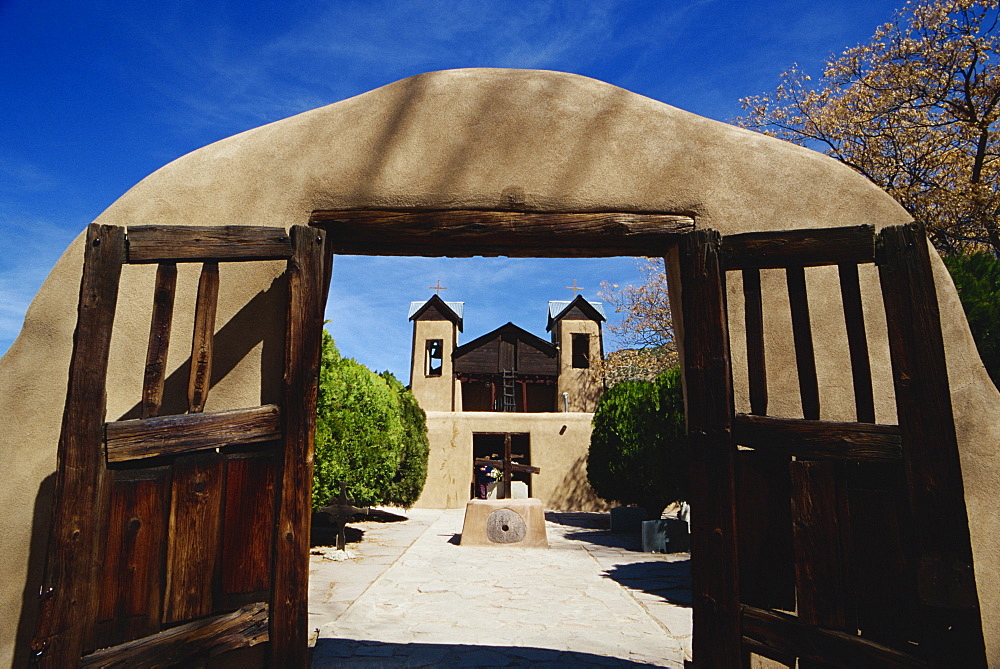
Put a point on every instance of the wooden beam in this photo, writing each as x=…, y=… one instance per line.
x=754, y=324
x=790, y=636
x=708, y=396
x=203, y=339
x=466, y=232
x=170, y=435
x=805, y=358
x=819, y=440
x=946, y=581
x=189, y=243
x=805, y=248
x=857, y=343
x=159, y=339
x=79, y=513
x=289, y=610
x=187, y=644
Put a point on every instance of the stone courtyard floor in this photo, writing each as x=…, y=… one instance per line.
x=411, y=597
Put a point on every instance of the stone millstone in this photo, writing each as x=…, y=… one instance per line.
x=517, y=523
x=503, y=526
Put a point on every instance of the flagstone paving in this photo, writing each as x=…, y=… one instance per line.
x=409, y=596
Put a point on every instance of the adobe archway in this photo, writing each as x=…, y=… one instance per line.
x=472, y=139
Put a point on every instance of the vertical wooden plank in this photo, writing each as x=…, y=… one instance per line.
x=159, y=339
x=290, y=582
x=204, y=336
x=945, y=579
x=821, y=529
x=857, y=342
x=193, y=542
x=708, y=395
x=131, y=588
x=805, y=359
x=880, y=572
x=69, y=590
x=248, y=525
x=508, y=472
x=764, y=521
x=754, y=325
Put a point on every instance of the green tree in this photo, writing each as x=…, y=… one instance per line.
x=411, y=474
x=915, y=110
x=638, y=449
x=361, y=434
x=977, y=278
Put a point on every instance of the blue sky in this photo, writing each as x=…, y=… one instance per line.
x=95, y=95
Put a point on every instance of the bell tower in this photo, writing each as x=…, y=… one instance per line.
x=436, y=325
x=576, y=330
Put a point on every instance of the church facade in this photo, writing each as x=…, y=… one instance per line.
x=508, y=396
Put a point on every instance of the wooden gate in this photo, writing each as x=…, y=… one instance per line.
x=834, y=544
x=179, y=538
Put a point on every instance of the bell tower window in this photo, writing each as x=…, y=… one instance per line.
x=434, y=357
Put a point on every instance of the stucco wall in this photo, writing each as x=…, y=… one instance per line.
x=558, y=443
x=435, y=393
x=495, y=139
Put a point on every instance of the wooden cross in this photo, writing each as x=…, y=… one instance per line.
x=438, y=287
x=506, y=465
x=342, y=512
x=574, y=287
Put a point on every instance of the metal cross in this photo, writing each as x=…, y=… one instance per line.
x=438, y=287
x=574, y=287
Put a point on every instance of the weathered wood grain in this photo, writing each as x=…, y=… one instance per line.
x=159, y=339
x=203, y=338
x=803, y=248
x=69, y=587
x=822, y=543
x=173, y=435
x=248, y=524
x=188, y=243
x=819, y=440
x=188, y=644
x=805, y=358
x=193, y=543
x=792, y=636
x=857, y=343
x=288, y=631
x=709, y=401
x=466, y=232
x=945, y=579
x=131, y=591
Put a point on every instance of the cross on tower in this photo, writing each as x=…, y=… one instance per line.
x=438, y=287
x=574, y=287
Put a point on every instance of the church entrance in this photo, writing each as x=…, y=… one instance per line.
x=501, y=465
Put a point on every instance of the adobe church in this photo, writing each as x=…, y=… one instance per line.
x=508, y=397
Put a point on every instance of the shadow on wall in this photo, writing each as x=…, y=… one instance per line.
x=574, y=492
x=262, y=319
x=30, y=598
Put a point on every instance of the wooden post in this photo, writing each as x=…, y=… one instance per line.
x=79, y=513
x=946, y=585
x=709, y=407
x=290, y=582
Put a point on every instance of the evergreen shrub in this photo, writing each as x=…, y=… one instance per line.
x=638, y=448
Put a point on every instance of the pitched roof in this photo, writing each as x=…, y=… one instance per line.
x=534, y=340
x=559, y=308
x=453, y=311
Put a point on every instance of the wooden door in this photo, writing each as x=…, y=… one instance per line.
x=831, y=544
x=176, y=538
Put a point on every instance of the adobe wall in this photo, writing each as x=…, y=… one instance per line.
x=558, y=442
x=494, y=139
